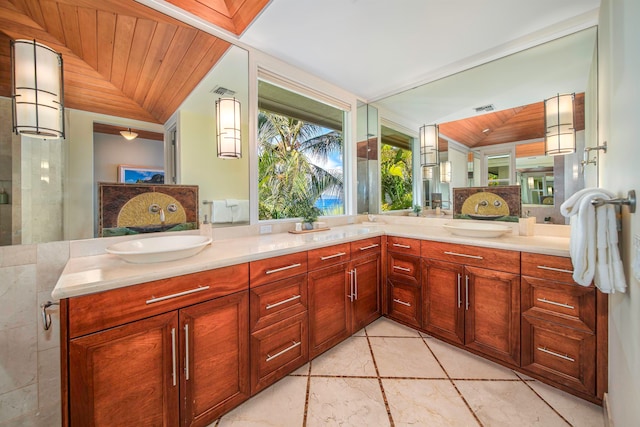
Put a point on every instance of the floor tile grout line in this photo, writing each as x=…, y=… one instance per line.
x=453, y=384
x=547, y=403
x=306, y=399
x=384, y=395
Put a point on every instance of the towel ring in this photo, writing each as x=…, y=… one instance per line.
x=629, y=201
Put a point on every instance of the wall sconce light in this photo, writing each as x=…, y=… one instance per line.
x=530, y=182
x=37, y=90
x=445, y=172
x=128, y=134
x=228, y=128
x=560, y=132
x=429, y=156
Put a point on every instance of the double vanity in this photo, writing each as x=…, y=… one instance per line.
x=182, y=342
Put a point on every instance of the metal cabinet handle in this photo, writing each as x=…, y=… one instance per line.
x=398, y=245
x=339, y=254
x=553, y=353
x=559, y=270
x=276, y=270
x=459, y=296
x=463, y=255
x=396, y=267
x=559, y=304
x=173, y=355
x=293, y=298
x=466, y=291
x=46, y=317
x=350, y=285
x=280, y=353
x=179, y=294
x=355, y=283
x=408, y=304
x=186, y=351
x=364, y=248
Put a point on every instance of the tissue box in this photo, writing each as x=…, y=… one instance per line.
x=527, y=225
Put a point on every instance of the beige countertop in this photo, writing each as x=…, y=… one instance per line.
x=90, y=274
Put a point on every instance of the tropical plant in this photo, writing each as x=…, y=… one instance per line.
x=289, y=176
x=395, y=178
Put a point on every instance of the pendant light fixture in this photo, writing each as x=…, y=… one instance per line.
x=429, y=145
x=445, y=172
x=37, y=90
x=560, y=132
x=128, y=134
x=228, y=128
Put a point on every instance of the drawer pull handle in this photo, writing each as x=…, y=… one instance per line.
x=553, y=353
x=293, y=298
x=398, y=245
x=287, y=267
x=179, y=294
x=463, y=255
x=364, y=248
x=559, y=304
x=408, y=304
x=339, y=254
x=173, y=356
x=559, y=270
x=397, y=267
x=280, y=353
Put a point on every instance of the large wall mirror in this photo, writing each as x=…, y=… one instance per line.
x=491, y=122
x=52, y=185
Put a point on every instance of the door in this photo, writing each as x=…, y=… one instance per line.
x=366, y=298
x=126, y=376
x=443, y=299
x=214, y=342
x=329, y=308
x=492, y=313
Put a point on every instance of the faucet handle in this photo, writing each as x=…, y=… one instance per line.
x=154, y=208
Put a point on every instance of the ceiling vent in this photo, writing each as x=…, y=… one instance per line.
x=485, y=108
x=223, y=91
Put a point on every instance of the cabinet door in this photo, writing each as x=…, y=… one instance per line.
x=443, y=299
x=404, y=302
x=366, y=298
x=329, y=308
x=492, y=313
x=215, y=358
x=126, y=376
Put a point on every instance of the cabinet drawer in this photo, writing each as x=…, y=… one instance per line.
x=404, y=302
x=94, y=312
x=404, y=267
x=494, y=259
x=547, y=267
x=365, y=247
x=323, y=257
x=278, y=350
x=277, y=301
x=571, y=305
x=403, y=245
x=272, y=269
x=563, y=355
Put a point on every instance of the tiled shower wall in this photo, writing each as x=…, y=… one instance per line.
x=29, y=356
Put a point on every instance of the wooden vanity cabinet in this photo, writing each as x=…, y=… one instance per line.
x=184, y=366
x=468, y=301
x=366, y=260
x=403, y=280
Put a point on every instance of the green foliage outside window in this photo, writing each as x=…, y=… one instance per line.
x=396, y=178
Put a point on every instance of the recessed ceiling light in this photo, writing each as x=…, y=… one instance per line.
x=487, y=130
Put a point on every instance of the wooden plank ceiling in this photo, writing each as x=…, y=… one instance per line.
x=514, y=124
x=120, y=57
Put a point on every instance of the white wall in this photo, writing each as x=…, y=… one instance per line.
x=619, y=111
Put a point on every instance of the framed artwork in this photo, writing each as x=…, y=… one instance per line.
x=128, y=174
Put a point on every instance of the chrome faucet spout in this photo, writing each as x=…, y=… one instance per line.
x=482, y=203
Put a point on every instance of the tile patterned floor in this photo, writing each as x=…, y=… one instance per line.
x=391, y=375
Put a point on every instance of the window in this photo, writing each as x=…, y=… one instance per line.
x=499, y=169
x=300, y=154
x=396, y=165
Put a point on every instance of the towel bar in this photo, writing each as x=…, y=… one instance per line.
x=629, y=201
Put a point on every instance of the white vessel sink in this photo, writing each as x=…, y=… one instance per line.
x=159, y=249
x=471, y=229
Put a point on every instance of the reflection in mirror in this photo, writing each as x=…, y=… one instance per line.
x=396, y=169
x=367, y=159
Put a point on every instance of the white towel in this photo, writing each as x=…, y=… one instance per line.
x=240, y=212
x=594, y=241
x=232, y=202
x=220, y=212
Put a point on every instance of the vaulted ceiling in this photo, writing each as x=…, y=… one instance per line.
x=120, y=57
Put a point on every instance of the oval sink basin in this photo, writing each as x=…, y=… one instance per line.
x=159, y=249
x=470, y=229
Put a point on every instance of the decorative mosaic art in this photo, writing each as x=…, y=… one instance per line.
x=499, y=203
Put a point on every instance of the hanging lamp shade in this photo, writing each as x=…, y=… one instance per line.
x=445, y=171
x=560, y=132
x=427, y=173
x=128, y=134
x=37, y=90
x=228, y=128
x=429, y=145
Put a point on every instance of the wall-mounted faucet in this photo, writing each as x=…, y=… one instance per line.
x=155, y=208
x=483, y=203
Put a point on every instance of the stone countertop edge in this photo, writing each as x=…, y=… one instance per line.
x=98, y=273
